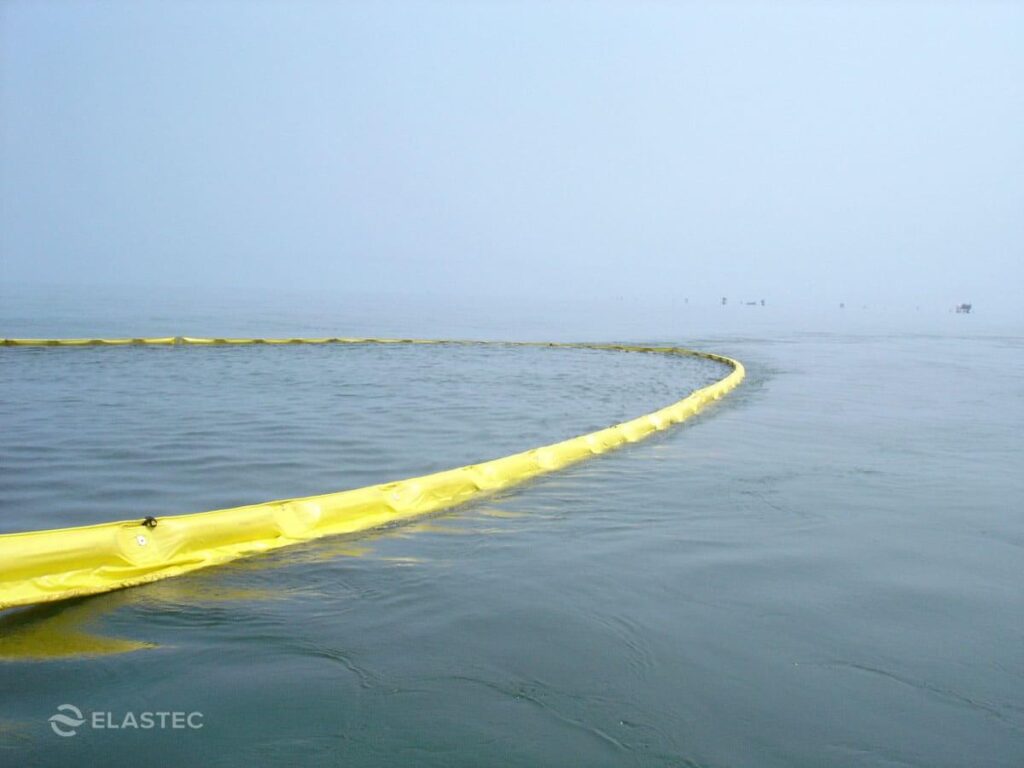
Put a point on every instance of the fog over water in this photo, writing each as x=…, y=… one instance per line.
x=803, y=153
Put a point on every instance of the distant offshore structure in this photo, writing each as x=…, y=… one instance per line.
x=963, y=309
x=748, y=303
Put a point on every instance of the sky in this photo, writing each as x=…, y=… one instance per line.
x=800, y=152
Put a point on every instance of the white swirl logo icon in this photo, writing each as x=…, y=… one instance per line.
x=68, y=718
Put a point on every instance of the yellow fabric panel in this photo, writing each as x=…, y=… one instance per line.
x=41, y=566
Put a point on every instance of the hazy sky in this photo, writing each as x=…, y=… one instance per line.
x=860, y=151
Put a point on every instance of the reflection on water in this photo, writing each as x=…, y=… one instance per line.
x=56, y=631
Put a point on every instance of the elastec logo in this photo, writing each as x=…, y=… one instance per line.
x=70, y=718
x=67, y=720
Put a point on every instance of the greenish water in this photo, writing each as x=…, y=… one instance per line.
x=824, y=569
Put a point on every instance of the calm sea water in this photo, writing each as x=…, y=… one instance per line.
x=825, y=569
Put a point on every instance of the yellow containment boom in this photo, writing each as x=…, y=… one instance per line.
x=40, y=566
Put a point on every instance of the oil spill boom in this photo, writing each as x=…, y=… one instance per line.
x=42, y=566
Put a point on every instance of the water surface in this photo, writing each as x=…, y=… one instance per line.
x=824, y=569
